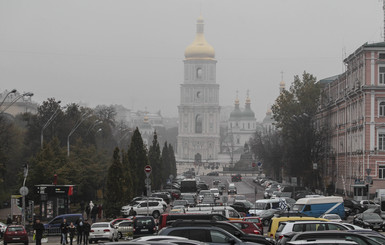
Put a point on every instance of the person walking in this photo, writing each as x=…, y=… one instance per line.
x=94, y=213
x=80, y=230
x=71, y=230
x=64, y=232
x=86, y=231
x=9, y=220
x=38, y=230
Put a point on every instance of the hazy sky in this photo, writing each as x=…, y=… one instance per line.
x=131, y=52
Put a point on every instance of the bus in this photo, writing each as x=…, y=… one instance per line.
x=188, y=186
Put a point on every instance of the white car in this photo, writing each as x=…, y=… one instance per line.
x=332, y=217
x=215, y=191
x=2, y=229
x=103, y=231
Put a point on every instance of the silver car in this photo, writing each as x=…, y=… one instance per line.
x=103, y=231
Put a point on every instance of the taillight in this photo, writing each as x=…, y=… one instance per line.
x=92, y=231
x=257, y=232
x=280, y=237
x=271, y=235
x=106, y=230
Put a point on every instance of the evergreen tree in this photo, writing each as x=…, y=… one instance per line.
x=155, y=161
x=128, y=186
x=164, y=172
x=114, y=189
x=137, y=158
x=171, y=154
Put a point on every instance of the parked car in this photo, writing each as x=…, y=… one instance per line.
x=118, y=220
x=125, y=228
x=355, y=206
x=242, y=206
x=155, y=208
x=164, y=195
x=53, y=226
x=369, y=220
x=144, y=226
x=247, y=227
x=180, y=203
x=337, y=236
x=2, y=229
x=15, y=234
x=209, y=234
x=366, y=204
x=103, y=231
x=302, y=226
x=332, y=217
x=256, y=220
x=225, y=225
x=213, y=173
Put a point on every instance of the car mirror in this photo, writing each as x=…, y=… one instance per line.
x=237, y=234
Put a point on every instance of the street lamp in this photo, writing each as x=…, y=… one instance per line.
x=15, y=100
x=80, y=121
x=56, y=112
x=11, y=92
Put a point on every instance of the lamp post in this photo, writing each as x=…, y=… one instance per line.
x=11, y=92
x=56, y=112
x=15, y=100
x=24, y=191
x=80, y=121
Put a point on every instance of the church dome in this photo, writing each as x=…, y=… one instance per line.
x=248, y=113
x=236, y=113
x=200, y=48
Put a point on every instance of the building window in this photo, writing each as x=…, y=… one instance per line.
x=381, y=75
x=381, y=56
x=198, y=124
x=381, y=172
x=199, y=73
x=381, y=108
x=381, y=141
x=248, y=125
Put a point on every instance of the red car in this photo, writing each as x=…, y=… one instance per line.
x=255, y=220
x=247, y=227
x=15, y=234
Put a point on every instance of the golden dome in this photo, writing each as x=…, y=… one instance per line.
x=200, y=48
x=282, y=84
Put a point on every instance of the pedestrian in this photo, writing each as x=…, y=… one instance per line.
x=94, y=213
x=64, y=232
x=80, y=230
x=9, y=220
x=132, y=212
x=88, y=211
x=38, y=230
x=71, y=230
x=86, y=231
x=100, y=209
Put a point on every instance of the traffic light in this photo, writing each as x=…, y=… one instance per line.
x=367, y=188
x=19, y=202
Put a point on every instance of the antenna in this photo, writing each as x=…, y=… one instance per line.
x=282, y=72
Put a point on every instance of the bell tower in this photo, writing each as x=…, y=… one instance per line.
x=198, y=132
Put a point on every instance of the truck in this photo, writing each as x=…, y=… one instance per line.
x=188, y=186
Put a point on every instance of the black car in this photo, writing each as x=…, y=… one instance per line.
x=242, y=206
x=230, y=228
x=354, y=206
x=332, y=235
x=213, y=174
x=369, y=220
x=144, y=225
x=236, y=177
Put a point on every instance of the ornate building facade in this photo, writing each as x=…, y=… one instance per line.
x=199, y=110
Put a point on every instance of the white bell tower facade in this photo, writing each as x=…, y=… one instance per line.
x=198, y=132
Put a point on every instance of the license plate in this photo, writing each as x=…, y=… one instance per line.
x=16, y=238
x=144, y=230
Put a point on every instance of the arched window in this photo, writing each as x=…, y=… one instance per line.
x=198, y=124
x=382, y=109
x=199, y=73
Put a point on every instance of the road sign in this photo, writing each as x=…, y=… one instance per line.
x=147, y=170
x=23, y=191
x=259, y=164
x=253, y=164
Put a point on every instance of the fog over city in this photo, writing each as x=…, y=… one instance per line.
x=130, y=52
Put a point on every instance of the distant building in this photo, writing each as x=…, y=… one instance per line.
x=199, y=110
x=354, y=110
x=16, y=103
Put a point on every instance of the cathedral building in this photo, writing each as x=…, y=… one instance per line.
x=199, y=110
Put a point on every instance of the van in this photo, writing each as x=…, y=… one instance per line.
x=317, y=206
x=167, y=218
x=53, y=226
x=275, y=222
x=227, y=211
x=265, y=204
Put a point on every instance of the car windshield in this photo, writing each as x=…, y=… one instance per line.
x=371, y=216
x=17, y=228
x=298, y=207
x=99, y=225
x=260, y=205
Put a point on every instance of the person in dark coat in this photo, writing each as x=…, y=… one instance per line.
x=80, y=230
x=94, y=213
x=86, y=231
x=38, y=230
x=71, y=230
x=88, y=210
x=9, y=220
x=64, y=231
